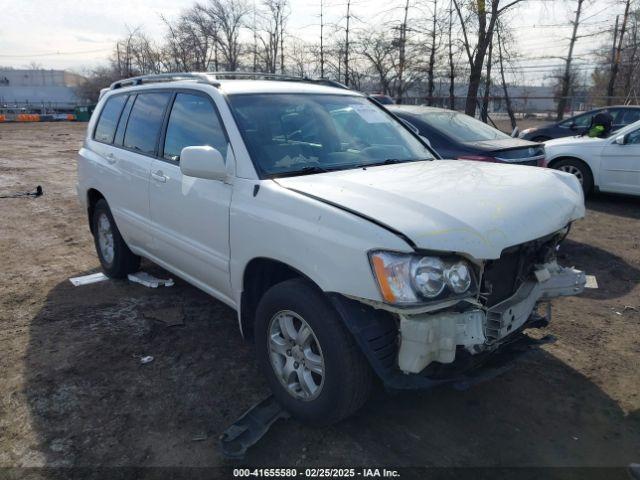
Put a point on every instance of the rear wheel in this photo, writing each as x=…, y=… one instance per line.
x=312, y=364
x=579, y=169
x=115, y=257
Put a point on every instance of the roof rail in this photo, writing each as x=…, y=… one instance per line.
x=203, y=77
x=211, y=77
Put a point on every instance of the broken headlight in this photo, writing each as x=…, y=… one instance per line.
x=407, y=278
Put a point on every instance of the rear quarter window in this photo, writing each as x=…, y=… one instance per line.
x=145, y=121
x=108, y=120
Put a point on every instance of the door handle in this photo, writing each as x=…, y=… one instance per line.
x=111, y=158
x=159, y=176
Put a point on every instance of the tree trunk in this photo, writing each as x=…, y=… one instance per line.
x=505, y=89
x=566, y=78
x=432, y=56
x=402, y=59
x=487, y=86
x=618, y=54
x=452, y=72
x=346, y=47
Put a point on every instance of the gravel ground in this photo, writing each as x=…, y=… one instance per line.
x=73, y=391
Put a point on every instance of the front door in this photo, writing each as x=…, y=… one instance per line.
x=620, y=165
x=191, y=215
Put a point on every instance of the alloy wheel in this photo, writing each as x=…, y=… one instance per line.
x=296, y=356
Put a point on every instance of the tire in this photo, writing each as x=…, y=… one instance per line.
x=580, y=170
x=115, y=257
x=346, y=378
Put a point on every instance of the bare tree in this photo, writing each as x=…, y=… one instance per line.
x=270, y=33
x=487, y=86
x=617, y=53
x=226, y=18
x=566, y=79
x=432, y=53
x=452, y=70
x=505, y=89
x=485, y=20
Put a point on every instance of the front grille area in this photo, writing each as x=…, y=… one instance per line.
x=502, y=277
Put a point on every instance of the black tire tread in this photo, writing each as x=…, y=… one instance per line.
x=358, y=378
x=124, y=261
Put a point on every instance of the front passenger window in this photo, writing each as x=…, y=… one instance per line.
x=634, y=138
x=193, y=122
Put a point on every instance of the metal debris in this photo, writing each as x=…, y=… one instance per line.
x=147, y=359
x=592, y=282
x=251, y=427
x=149, y=280
x=87, y=279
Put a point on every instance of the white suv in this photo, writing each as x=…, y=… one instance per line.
x=347, y=248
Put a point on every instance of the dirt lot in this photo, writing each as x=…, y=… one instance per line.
x=73, y=390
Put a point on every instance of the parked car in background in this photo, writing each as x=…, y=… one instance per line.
x=382, y=99
x=346, y=248
x=606, y=164
x=458, y=136
x=622, y=116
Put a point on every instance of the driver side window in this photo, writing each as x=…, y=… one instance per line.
x=193, y=122
x=634, y=138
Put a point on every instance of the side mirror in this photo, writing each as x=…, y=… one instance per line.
x=515, y=133
x=425, y=140
x=573, y=125
x=202, y=162
x=621, y=139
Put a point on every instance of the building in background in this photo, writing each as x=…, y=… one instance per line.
x=39, y=91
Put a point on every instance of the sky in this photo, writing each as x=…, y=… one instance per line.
x=79, y=35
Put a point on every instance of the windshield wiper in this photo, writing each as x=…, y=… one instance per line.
x=388, y=161
x=308, y=170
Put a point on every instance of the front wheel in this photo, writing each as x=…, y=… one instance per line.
x=312, y=363
x=580, y=170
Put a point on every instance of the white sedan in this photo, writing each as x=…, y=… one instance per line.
x=606, y=164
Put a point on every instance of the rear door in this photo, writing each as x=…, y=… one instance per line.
x=137, y=138
x=191, y=215
x=620, y=165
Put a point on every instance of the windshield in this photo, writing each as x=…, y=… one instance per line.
x=461, y=127
x=290, y=134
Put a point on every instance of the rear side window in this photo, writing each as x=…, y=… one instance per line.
x=193, y=122
x=630, y=116
x=145, y=121
x=119, y=138
x=109, y=116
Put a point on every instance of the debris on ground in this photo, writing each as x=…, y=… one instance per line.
x=149, y=280
x=147, y=359
x=171, y=316
x=87, y=279
x=37, y=193
x=251, y=427
x=592, y=282
x=200, y=437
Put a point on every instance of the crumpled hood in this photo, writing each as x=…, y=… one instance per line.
x=468, y=207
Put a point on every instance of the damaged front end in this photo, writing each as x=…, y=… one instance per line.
x=443, y=341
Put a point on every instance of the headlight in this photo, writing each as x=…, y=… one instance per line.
x=406, y=278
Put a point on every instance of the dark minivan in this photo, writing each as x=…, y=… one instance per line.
x=455, y=135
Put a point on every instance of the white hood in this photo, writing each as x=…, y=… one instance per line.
x=579, y=140
x=468, y=207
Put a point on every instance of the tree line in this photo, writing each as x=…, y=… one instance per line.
x=457, y=42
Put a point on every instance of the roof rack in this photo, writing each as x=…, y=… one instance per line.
x=203, y=77
x=212, y=77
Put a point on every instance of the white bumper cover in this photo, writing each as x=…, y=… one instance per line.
x=434, y=337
